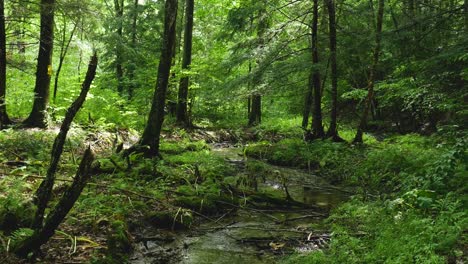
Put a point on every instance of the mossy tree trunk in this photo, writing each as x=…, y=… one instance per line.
x=182, y=113
x=152, y=132
x=375, y=62
x=38, y=116
x=4, y=120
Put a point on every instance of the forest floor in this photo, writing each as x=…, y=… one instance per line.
x=200, y=186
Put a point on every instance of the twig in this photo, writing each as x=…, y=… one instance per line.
x=300, y=218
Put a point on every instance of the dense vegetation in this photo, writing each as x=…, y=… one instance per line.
x=367, y=95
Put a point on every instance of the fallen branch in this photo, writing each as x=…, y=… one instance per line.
x=302, y=217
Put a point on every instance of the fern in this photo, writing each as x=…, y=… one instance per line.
x=20, y=235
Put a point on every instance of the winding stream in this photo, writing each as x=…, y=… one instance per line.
x=250, y=235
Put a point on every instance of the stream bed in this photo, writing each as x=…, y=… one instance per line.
x=246, y=234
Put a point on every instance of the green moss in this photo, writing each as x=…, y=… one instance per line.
x=118, y=242
x=179, y=219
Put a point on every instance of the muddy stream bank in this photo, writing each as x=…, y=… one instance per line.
x=248, y=234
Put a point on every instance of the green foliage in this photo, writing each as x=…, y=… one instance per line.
x=19, y=235
x=378, y=232
x=16, y=209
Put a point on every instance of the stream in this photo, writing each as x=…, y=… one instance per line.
x=250, y=235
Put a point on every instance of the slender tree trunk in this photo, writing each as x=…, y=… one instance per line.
x=4, y=120
x=44, y=191
x=465, y=5
x=152, y=132
x=307, y=103
x=249, y=87
x=119, y=9
x=375, y=62
x=63, y=53
x=333, y=129
x=38, y=116
x=182, y=117
x=317, y=125
x=132, y=67
x=80, y=60
x=60, y=211
x=255, y=117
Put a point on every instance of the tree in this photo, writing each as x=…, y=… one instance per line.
x=315, y=90
x=64, y=46
x=152, y=132
x=333, y=129
x=38, y=116
x=44, y=192
x=4, y=120
x=255, y=116
x=119, y=10
x=182, y=115
x=132, y=66
x=375, y=62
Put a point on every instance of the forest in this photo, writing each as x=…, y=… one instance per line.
x=246, y=131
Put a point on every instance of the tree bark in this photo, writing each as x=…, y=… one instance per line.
x=333, y=129
x=119, y=9
x=44, y=191
x=38, y=116
x=375, y=62
x=4, y=119
x=152, y=132
x=60, y=211
x=307, y=104
x=255, y=117
x=465, y=5
x=182, y=116
x=132, y=67
x=317, y=125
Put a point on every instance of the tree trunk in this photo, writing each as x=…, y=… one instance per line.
x=255, y=117
x=465, y=4
x=63, y=52
x=119, y=9
x=182, y=117
x=132, y=67
x=375, y=62
x=317, y=126
x=307, y=104
x=44, y=191
x=38, y=116
x=152, y=132
x=60, y=211
x=4, y=120
x=333, y=130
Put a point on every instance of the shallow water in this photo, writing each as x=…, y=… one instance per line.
x=253, y=235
